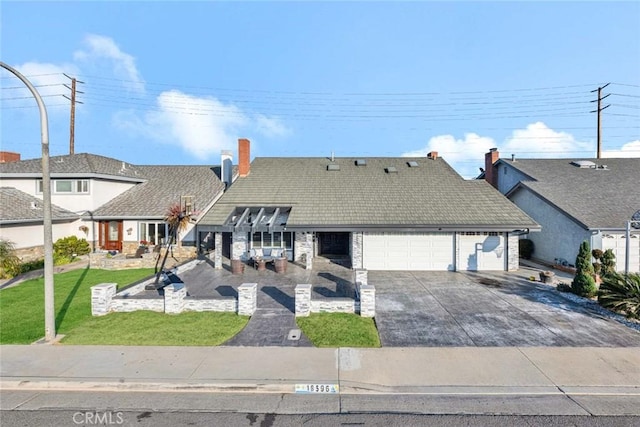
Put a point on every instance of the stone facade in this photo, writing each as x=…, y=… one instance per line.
x=174, y=296
x=124, y=304
x=222, y=304
x=101, y=296
x=513, y=252
x=361, y=277
x=367, y=301
x=240, y=246
x=247, y=299
x=33, y=253
x=303, y=300
x=217, y=251
x=334, y=305
x=356, y=249
x=305, y=305
x=303, y=248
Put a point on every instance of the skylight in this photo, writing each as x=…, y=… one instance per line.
x=391, y=169
x=361, y=162
x=413, y=164
x=333, y=167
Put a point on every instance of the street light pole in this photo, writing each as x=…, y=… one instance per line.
x=49, y=307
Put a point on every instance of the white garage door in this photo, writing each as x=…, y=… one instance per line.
x=404, y=251
x=482, y=251
x=617, y=242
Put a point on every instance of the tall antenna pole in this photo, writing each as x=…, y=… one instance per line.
x=72, y=121
x=598, y=110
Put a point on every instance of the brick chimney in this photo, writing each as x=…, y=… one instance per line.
x=490, y=174
x=9, y=157
x=244, y=157
x=432, y=155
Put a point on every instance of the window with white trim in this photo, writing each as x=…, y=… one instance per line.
x=153, y=232
x=66, y=186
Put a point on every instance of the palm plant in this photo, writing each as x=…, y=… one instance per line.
x=621, y=293
x=178, y=219
x=9, y=262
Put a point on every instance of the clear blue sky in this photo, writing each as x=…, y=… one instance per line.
x=176, y=82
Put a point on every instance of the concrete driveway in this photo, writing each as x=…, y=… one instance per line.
x=437, y=309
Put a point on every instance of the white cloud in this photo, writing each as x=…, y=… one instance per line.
x=101, y=48
x=200, y=126
x=630, y=149
x=537, y=140
x=464, y=155
x=271, y=126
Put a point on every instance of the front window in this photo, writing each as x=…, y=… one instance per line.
x=154, y=232
x=277, y=240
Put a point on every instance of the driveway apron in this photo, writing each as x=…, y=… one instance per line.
x=416, y=309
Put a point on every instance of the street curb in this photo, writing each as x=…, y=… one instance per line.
x=288, y=387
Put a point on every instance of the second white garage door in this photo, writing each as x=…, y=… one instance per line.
x=617, y=243
x=403, y=251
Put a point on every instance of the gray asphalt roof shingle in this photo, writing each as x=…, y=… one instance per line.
x=596, y=198
x=73, y=165
x=163, y=187
x=429, y=195
x=17, y=206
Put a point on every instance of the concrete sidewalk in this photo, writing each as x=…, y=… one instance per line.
x=459, y=371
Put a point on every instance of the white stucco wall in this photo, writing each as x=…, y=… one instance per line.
x=560, y=237
x=26, y=236
x=100, y=192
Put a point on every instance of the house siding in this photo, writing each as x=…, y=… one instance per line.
x=508, y=180
x=547, y=244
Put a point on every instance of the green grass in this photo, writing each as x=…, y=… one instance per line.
x=22, y=306
x=339, y=330
x=150, y=328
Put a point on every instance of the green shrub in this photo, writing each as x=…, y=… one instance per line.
x=526, y=248
x=608, y=263
x=70, y=246
x=32, y=265
x=9, y=261
x=621, y=293
x=584, y=283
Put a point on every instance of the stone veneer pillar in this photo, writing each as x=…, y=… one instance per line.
x=217, y=251
x=239, y=247
x=356, y=249
x=174, y=295
x=101, y=296
x=361, y=276
x=367, y=301
x=513, y=252
x=303, y=300
x=303, y=248
x=247, y=299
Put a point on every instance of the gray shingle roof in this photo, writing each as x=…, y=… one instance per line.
x=17, y=207
x=430, y=195
x=595, y=198
x=164, y=186
x=81, y=164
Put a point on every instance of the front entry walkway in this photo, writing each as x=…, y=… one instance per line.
x=273, y=323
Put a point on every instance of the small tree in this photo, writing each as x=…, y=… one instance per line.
x=597, y=255
x=584, y=283
x=608, y=263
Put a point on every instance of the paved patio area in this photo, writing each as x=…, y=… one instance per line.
x=423, y=309
x=275, y=317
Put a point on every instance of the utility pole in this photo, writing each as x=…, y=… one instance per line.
x=598, y=110
x=72, y=123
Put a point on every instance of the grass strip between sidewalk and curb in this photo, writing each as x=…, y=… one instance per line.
x=339, y=330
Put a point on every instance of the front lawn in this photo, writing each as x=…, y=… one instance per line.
x=150, y=328
x=22, y=306
x=339, y=330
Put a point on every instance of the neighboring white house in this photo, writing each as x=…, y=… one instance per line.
x=573, y=200
x=111, y=203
